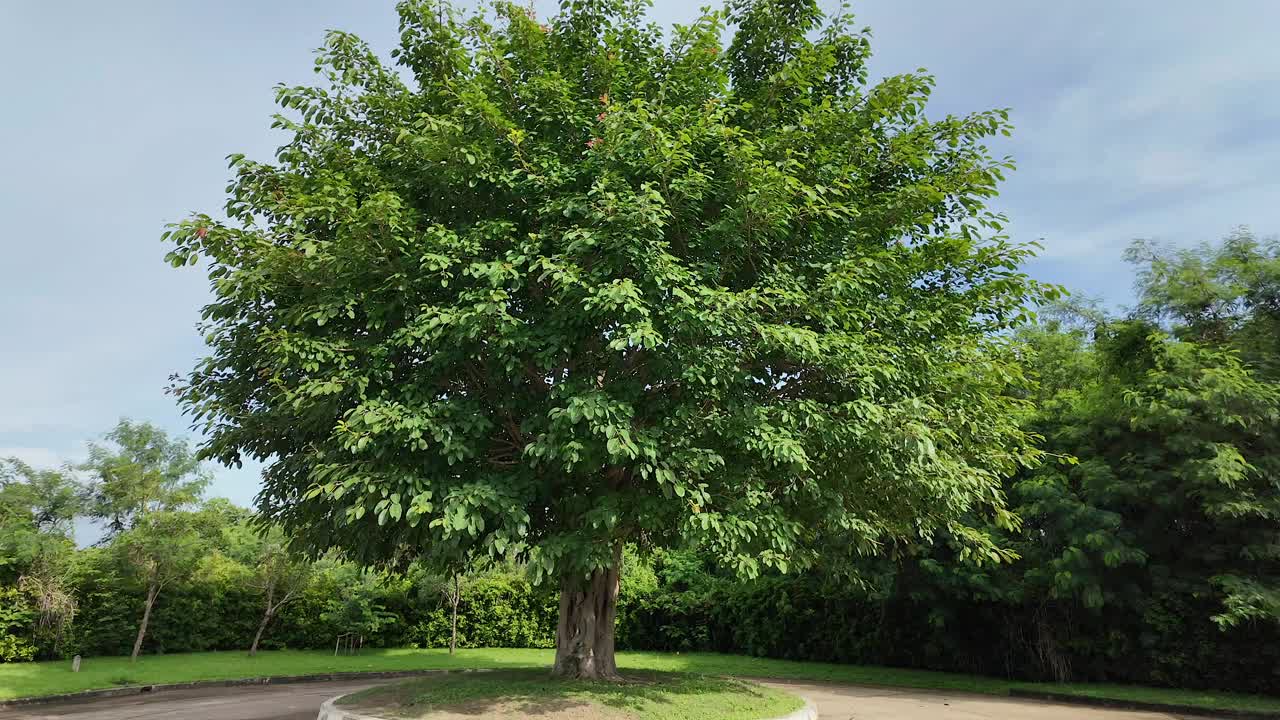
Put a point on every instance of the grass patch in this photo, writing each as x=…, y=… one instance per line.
x=55, y=677
x=50, y=678
x=1207, y=699
x=123, y=680
x=519, y=694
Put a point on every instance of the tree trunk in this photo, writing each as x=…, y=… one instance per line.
x=152, y=592
x=262, y=627
x=584, y=635
x=457, y=597
x=266, y=618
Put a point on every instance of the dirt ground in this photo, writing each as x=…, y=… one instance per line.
x=858, y=702
x=537, y=710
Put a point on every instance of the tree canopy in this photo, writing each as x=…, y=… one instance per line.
x=1226, y=294
x=37, y=507
x=140, y=471
x=549, y=287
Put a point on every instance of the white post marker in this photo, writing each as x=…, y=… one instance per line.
x=75, y=664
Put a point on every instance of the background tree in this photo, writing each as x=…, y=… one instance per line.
x=141, y=470
x=582, y=284
x=281, y=576
x=141, y=483
x=358, y=607
x=37, y=508
x=450, y=585
x=1204, y=409
x=1172, y=514
x=159, y=549
x=1225, y=294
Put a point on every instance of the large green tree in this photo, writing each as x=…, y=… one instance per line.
x=550, y=287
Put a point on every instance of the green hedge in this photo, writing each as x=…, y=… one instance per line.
x=495, y=611
x=1171, y=642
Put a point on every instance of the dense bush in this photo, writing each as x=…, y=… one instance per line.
x=1172, y=642
x=497, y=611
x=16, y=618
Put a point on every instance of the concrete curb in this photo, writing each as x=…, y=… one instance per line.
x=330, y=711
x=242, y=682
x=1069, y=699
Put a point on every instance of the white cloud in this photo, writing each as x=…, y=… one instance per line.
x=36, y=457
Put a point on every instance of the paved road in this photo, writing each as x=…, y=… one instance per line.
x=855, y=702
x=297, y=701
x=301, y=701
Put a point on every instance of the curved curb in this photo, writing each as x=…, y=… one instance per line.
x=329, y=710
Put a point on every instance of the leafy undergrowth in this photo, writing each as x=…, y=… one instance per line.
x=521, y=694
x=50, y=678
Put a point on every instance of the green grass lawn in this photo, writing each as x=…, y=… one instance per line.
x=531, y=693
x=48, y=678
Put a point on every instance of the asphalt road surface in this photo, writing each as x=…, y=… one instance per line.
x=301, y=701
x=294, y=701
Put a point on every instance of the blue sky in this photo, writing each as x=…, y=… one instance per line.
x=1142, y=118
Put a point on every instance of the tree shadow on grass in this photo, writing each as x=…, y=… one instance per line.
x=535, y=694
